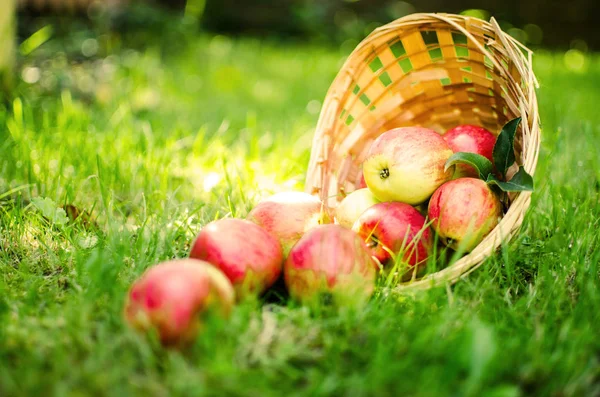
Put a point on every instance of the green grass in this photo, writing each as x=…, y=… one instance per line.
x=156, y=143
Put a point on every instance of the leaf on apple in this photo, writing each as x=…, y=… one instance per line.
x=504, y=157
x=520, y=182
x=479, y=162
x=504, y=153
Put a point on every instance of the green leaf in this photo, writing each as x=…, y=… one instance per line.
x=520, y=182
x=504, y=152
x=479, y=162
x=50, y=210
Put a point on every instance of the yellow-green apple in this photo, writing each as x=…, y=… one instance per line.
x=407, y=164
x=472, y=139
x=249, y=256
x=173, y=297
x=463, y=211
x=288, y=215
x=397, y=228
x=330, y=260
x=354, y=204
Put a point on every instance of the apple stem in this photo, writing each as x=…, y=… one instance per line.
x=384, y=173
x=373, y=242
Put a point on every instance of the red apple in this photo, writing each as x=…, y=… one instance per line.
x=333, y=261
x=288, y=215
x=472, y=139
x=407, y=165
x=353, y=205
x=172, y=296
x=394, y=227
x=463, y=212
x=248, y=255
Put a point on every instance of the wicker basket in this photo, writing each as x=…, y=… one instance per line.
x=436, y=71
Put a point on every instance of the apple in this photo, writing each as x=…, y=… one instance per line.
x=172, y=297
x=395, y=227
x=407, y=165
x=288, y=215
x=249, y=256
x=330, y=261
x=361, y=183
x=472, y=139
x=354, y=204
x=463, y=212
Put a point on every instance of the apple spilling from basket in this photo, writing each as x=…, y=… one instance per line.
x=421, y=190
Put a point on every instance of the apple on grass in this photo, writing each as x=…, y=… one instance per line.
x=353, y=205
x=288, y=215
x=463, y=211
x=249, y=256
x=407, y=165
x=472, y=139
x=172, y=297
x=395, y=228
x=330, y=261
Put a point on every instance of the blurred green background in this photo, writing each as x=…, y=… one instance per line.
x=77, y=31
x=548, y=23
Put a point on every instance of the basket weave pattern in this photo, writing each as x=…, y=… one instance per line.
x=435, y=71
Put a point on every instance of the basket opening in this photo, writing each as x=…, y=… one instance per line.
x=430, y=70
x=385, y=79
x=406, y=65
x=397, y=48
x=376, y=64
x=430, y=37
x=431, y=75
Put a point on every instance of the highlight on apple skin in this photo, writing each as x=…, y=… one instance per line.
x=353, y=205
x=463, y=211
x=407, y=165
x=250, y=257
x=288, y=215
x=172, y=297
x=330, y=261
x=394, y=227
x=472, y=139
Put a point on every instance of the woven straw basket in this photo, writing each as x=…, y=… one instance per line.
x=435, y=71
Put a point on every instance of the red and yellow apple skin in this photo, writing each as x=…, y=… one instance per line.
x=172, y=297
x=353, y=205
x=394, y=227
x=288, y=215
x=330, y=260
x=361, y=183
x=472, y=139
x=463, y=211
x=248, y=255
x=407, y=165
